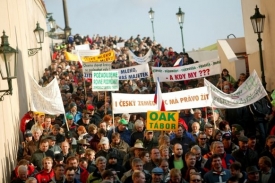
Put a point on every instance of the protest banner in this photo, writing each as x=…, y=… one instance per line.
x=185, y=99
x=248, y=93
x=104, y=57
x=162, y=120
x=83, y=53
x=88, y=68
x=120, y=45
x=134, y=72
x=192, y=71
x=105, y=81
x=140, y=60
x=82, y=47
x=46, y=99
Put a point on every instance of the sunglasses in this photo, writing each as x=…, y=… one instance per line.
x=195, y=180
x=202, y=138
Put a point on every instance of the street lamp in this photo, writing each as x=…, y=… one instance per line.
x=257, y=21
x=39, y=35
x=52, y=24
x=9, y=66
x=151, y=15
x=180, y=16
x=67, y=29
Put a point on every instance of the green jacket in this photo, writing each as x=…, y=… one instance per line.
x=94, y=177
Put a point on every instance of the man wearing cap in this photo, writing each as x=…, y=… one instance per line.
x=99, y=113
x=208, y=130
x=157, y=174
x=52, y=146
x=112, y=164
x=73, y=111
x=229, y=146
x=253, y=175
x=84, y=121
x=244, y=155
x=149, y=141
x=71, y=125
x=106, y=149
x=28, y=138
x=125, y=133
x=56, y=132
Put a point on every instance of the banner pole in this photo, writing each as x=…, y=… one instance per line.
x=66, y=121
x=105, y=106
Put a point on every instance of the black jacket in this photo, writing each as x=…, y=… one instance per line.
x=250, y=158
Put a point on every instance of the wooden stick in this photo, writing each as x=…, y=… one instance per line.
x=66, y=121
x=105, y=106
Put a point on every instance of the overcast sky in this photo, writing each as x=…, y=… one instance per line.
x=205, y=21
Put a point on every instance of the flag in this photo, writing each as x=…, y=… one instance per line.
x=158, y=98
x=80, y=63
x=179, y=62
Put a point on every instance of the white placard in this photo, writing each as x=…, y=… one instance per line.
x=105, y=81
x=141, y=60
x=192, y=71
x=82, y=47
x=83, y=53
x=134, y=72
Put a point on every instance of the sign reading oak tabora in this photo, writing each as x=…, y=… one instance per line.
x=105, y=81
x=192, y=71
x=162, y=120
x=134, y=72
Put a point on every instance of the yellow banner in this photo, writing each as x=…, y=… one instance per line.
x=104, y=57
x=164, y=121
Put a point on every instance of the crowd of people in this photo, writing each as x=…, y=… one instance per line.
x=89, y=145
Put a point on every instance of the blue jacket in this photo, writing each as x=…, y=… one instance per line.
x=124, y=135
x=213, y=176
x=77, y=116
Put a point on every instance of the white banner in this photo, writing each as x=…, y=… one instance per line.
x=192, y=71
x=248, y=93
x=120, y=45
x=105, y=81
x=134, y=72
x=185, y=99
x=140, y=60
x=46, y=99
x=84, y=53
x=82, y=47
x=89, y=67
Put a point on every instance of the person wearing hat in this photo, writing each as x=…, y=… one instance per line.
x=112, y=164
x=99, y=113
x=208, y=130
x=58, y=159
x=58, y=136
x=229, y=146
x=80, y=152
x=83, y=143
x=149, y=140
x=157, y=174
x=74, y=112
x=253, y=174
x=106, y=149
x=40, y=121
x=125, y=133
x=28, y=138
x=244, y=155
x=85, y=120
x=70, y=124
x=134, y=153
x=52, y=144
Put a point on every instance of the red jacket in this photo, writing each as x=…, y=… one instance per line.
x=84, y=174
x=24, y=120
x=43, y=176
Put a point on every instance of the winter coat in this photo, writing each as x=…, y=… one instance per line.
x=37, y=156
x=43, y=176
x=122, y=146
x=250, y=158
x=29, y=149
